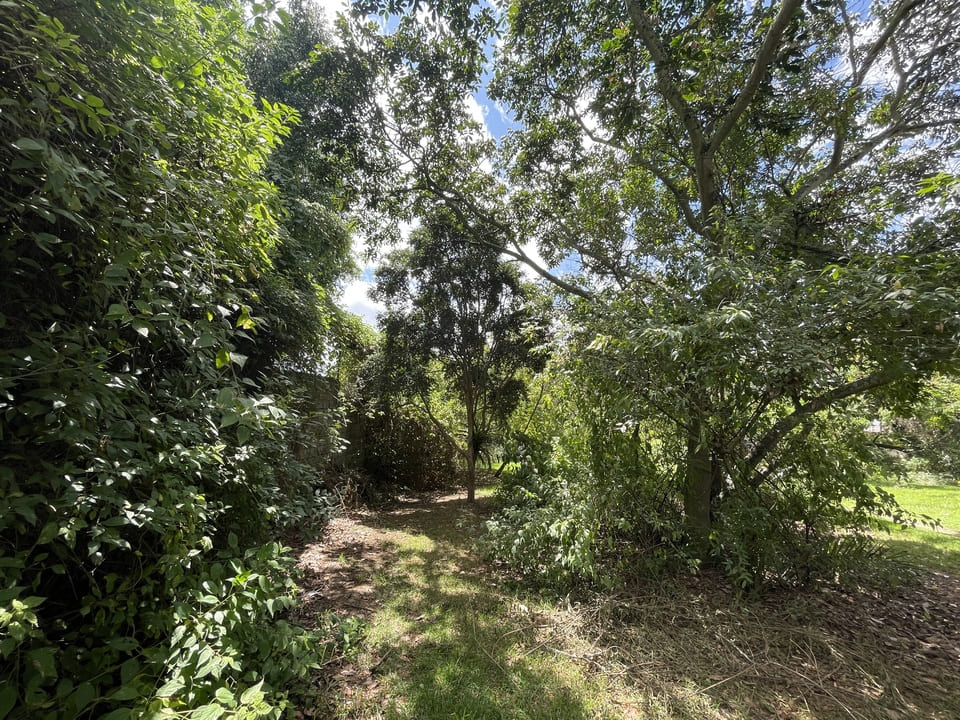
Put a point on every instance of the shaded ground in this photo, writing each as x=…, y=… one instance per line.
x=448, y=637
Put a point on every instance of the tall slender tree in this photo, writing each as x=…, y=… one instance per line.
x=454, y=306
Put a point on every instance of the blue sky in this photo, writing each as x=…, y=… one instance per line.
x=355, y=296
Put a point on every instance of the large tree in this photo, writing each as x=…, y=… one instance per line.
x=454, y=307
x=300, y=65
x=753, y=198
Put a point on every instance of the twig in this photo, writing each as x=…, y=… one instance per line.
x=380, y=662
x=735, y=675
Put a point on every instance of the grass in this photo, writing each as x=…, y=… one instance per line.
x=939, y=502
x=452, y=644
x=933, y=549
x=454, y=638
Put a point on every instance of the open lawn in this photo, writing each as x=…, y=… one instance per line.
x=934, y=548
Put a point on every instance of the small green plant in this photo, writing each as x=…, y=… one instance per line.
x=347, y=633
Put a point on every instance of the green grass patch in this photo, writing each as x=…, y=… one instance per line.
x=934, y=548
x=925, y=548
x=456, y=646
x=939, y=502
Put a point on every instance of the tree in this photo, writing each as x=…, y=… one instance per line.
x=135, y=219
x=298, y=64
x=749, y=195
x=453, y=306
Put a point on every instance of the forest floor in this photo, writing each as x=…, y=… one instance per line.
x=430, y=631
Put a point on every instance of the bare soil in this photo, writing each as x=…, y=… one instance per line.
x=338, y=569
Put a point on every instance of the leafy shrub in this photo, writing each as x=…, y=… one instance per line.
x=597, y=498
x=134, y=221
x=579, y=504
x=809, y=521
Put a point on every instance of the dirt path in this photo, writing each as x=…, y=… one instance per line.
x=338, y=569
x=338, y=578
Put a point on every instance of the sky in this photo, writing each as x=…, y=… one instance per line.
x=354, y=296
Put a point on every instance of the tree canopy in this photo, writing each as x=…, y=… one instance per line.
x=754, y=207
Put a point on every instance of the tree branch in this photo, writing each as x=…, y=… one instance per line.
x=662, y=65
x=899, y=15
x=681, y=197
x=765, y=56
x=456, y=201
x=787, y=423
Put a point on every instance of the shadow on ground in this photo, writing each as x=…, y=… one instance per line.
x=456, y=648
x=451, y=638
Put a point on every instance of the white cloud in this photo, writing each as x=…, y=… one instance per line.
x=477, y=113
x=356, y=299
x=355, y=295
x=531, y=250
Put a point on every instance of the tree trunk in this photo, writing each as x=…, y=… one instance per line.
x=471, y=442
x=696, y=492
x=471, y=477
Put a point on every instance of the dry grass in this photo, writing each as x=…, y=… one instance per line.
x=687, y=645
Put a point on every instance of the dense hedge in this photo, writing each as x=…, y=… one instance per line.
x=137, y=470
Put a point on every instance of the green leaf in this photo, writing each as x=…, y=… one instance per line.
x=252, y=694
x=49, y=532
x=224, y=696
x=117, y=311
x=170, y=688
x=129, y=670
x=126, y=692
x=43, y=660
x=210, y=711
x=30, y=145
x=85, y=694
x=223, y=358
x=118, y=714
x=8, y=698
x=123, y=643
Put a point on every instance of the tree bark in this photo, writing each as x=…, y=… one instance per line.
x=697, y=490
x=471, y=440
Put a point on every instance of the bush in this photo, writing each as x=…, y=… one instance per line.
x=579, y=507
x=134, y=221
x=595, y=497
